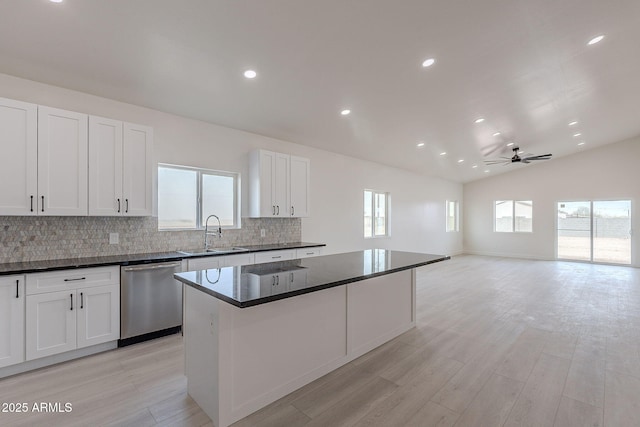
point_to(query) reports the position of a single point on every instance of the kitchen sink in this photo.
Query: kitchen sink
(233, 249)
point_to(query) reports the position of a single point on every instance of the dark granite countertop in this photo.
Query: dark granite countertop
(252, 285)
(132, 259)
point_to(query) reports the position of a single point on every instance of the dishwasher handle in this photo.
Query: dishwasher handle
(153, 266)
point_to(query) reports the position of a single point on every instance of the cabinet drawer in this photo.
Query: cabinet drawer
(273, 256)
(38, 283)
(308, 252)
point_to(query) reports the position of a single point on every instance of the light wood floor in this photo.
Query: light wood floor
(499, 342)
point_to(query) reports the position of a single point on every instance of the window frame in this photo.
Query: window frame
(456, 216)
(513, 215)
(387, 212)
(200, 225)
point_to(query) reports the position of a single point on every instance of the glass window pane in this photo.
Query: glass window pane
(177, 198)
(368, 206)
(574, 230)
(218, 198)
(504, 216)
(612, 231)
(452, 216)
(524, 216)
(380, 214)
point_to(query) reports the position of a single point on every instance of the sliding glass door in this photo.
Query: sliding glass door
(595, 231)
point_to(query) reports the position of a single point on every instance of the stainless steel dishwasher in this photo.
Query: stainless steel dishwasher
(150, 301)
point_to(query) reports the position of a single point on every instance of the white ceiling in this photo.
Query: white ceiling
(523, 65)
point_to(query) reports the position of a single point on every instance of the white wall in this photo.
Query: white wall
(337, 182)
(606, 173)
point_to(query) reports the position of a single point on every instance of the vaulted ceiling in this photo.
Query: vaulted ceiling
(524, 66)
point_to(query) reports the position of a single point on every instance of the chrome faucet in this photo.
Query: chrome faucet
(207, 232)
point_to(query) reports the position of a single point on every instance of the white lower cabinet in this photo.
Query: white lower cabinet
(11, 320)
(308, 252)
(84, 314)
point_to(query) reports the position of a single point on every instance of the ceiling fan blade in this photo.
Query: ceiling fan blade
(540, 157)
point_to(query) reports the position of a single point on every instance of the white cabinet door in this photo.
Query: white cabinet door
(138, 170)
(62, 162)
(51, 323)
(98, 315)
(281, 185)
(262, 165)
(105, 167)
(300, 171)
(19, 159)
(11, 320)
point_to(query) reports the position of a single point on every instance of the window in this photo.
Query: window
(187, 196)
(452, 216)
(376, 214)
(513, 216)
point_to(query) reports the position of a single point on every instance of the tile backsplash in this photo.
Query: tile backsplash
(47, 238)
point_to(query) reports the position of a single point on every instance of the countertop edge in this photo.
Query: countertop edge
(297, 292)
(133, 259)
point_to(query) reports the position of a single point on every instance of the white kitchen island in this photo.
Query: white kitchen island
(255, 333)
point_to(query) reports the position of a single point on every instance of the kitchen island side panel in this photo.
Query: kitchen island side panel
(256, 355)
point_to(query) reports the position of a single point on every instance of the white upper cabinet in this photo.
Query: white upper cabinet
(18, 163)
(273, 192)
(62, 162)
(120, 168)
(105, 167)
(300, 171)
(137, 170)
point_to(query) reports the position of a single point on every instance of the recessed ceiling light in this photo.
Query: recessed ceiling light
(573, 123)
(595, 40)
(474, 166)
(428, 62)
(345, 112)
(510, 144)
(250, 74)
(575, 135)
(55, 1)
(486, 171)
(461, 161)
(479, 120)
(444, 153)
(420, 144)
(497, 134)
(581, 143)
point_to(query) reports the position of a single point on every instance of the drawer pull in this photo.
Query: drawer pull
(75, 280)
(309, 253)
(276, 257)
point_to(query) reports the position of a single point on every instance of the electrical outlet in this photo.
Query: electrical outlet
(114, 238)
(262, 233)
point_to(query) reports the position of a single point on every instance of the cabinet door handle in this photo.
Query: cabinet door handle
(273, 280)
(273, 210)
(17, 288)
(277, 280)
(118, 205)
(42, 203)
(278, 212)
(71, 295)
(75, 280)
(31, 203)
(81, 300)
(126, 204)
(292, 211)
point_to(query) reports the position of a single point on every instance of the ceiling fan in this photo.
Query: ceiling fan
(528, 158)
